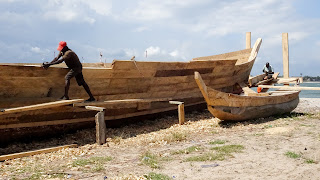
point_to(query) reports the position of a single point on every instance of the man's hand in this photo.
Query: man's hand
(46, 65)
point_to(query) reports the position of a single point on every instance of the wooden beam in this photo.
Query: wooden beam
(289, 80)
(290, 87)
(253, 80)
(40, 106)
(31, 153)
(122, 101)
(285, 53)
(176, 102)
(248, 40)
(94, 108)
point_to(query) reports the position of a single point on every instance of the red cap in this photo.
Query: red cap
(62, 44)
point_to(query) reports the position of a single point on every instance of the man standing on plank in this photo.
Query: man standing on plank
(72, 61)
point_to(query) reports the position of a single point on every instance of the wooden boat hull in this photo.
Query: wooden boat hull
(233, 107)
(252, 112)
(155, 82)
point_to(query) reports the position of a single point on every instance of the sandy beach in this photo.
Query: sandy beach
(281, 147)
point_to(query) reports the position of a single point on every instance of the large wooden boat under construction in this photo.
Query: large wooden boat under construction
(126, 88)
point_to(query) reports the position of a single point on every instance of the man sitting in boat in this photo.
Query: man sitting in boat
(72, 61)
(268, 70)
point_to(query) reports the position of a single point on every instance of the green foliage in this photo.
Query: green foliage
(150, 160)
(92, 160)
(97, 163)
(310, 78)
(227, 149)
(211, 156)
(217, 142)
(292, 155)
(178, 136)
(309, 161)
(155, 176)
(187, 150)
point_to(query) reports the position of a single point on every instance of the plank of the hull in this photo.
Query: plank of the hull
(122, 101)
(235, 54)
(218, 98)
(252, 112)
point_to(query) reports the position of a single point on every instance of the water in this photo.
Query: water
(304, 93)
(310, 94)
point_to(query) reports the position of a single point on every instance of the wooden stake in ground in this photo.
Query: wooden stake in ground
(100, 124)
(180, 111)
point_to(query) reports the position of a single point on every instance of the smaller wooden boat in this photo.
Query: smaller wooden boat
(250, 105)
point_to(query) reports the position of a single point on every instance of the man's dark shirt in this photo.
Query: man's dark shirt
(71, 59)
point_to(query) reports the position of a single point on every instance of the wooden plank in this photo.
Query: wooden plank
(246, 89)
(143, 105)
(253, 80)
(175, 102)
(285, 54)
(290, 87)
(202, 86)
(248, 40)
(122, 101)
(95, 108)
(100, 128)
(292, 80)
(40, 106)
(267, 81)
(31, 153)
(229, 55)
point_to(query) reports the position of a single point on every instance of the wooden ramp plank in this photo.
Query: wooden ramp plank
(31, 153)
(40, 106)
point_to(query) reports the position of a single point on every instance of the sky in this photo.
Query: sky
(161, 30)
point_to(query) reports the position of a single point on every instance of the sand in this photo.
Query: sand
(282, 147)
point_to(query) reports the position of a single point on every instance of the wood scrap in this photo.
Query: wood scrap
(31, 153)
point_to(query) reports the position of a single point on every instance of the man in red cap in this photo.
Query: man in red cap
(72, 61)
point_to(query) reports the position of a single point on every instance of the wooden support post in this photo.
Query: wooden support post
(181, 113)
(100, 128)
(248, 40)
(100, 124)
(285, 53)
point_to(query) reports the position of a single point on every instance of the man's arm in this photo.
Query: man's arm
(54, 61)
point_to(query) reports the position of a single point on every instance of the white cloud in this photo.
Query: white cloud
(102, 7)
(141, 29)
(36, 49)
(153, 51)
(174, 53)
